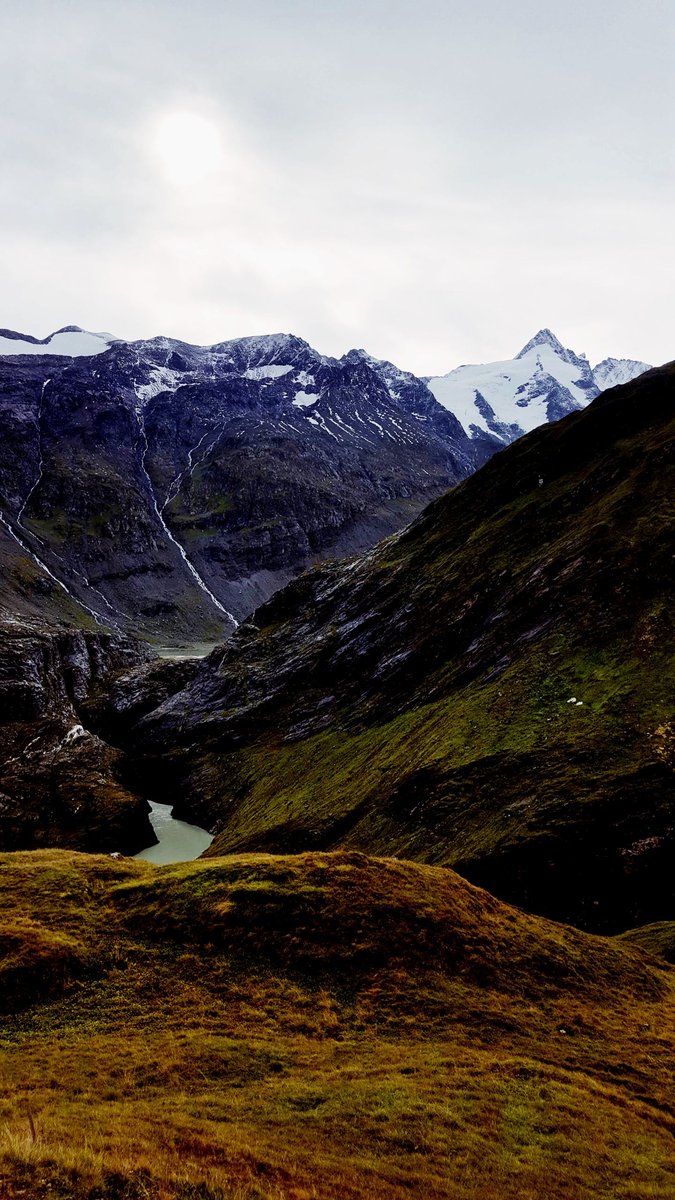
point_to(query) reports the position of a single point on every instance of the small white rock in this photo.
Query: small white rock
(74, 734)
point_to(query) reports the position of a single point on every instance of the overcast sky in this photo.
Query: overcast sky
(433, 181)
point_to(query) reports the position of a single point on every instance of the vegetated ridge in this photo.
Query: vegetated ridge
(320, 1025)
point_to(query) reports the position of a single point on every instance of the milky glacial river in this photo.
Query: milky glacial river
(178, 841)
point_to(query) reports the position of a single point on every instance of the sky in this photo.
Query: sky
(432, 181)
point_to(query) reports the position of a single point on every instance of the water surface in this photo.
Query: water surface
(178, 841)
(191, 650)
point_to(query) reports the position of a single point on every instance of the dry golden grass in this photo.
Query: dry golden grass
(321, 1027)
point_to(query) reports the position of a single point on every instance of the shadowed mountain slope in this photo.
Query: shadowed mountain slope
(491, 689)
(60, 784)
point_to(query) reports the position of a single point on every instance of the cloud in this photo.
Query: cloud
(431, 181)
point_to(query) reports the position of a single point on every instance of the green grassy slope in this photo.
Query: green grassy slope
(493, 690)
(319, 1026)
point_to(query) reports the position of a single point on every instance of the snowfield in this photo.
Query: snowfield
(70, 342)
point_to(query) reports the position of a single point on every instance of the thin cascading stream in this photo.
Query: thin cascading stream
(159, 514)
(43, 567)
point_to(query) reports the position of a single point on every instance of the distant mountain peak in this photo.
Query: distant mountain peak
(544, 382)
(614, 371)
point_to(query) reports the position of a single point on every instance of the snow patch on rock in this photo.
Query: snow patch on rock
(271, 371)
(304, 399)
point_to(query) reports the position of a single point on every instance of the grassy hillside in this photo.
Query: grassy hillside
(657, 939)
(493, 690)
(320, 1026)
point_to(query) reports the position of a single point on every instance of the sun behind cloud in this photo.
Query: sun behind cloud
(187, 146)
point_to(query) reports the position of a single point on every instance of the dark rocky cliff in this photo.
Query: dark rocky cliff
(61, 784)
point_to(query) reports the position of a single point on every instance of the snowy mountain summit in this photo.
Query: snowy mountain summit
(545, 381)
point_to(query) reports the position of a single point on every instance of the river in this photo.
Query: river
(178, 841)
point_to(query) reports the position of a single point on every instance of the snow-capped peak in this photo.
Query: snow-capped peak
(613, 371)
(543, 382)
(544, 337)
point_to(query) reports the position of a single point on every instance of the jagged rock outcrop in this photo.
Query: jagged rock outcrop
(49, 673)
(61, 784)
(115, 707)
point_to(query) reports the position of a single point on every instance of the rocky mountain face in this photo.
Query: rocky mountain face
(59, 782)
(166, 490)
(490, 689)
(544, 382)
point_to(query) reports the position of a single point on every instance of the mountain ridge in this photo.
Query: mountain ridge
(545, 381)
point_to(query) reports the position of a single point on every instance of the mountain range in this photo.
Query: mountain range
(166, 490)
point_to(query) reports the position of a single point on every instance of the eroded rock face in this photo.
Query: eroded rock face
(47, 673)
(118, 704)
(60, 784)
